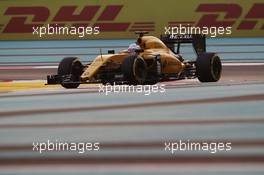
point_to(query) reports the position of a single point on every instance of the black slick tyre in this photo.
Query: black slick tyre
(71, 66)
(208, 67)
(134, 69)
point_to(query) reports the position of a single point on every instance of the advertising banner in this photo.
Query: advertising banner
(119, 19)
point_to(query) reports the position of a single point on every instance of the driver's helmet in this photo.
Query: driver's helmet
(133, 47)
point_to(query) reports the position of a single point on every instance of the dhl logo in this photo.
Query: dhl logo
(232, 16)
(66, 15)
(23, 19)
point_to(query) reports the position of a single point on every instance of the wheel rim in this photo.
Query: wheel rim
(216, 68)
(139, 70)
(77, 68)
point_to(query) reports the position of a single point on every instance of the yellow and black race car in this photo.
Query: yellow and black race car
(147, 61)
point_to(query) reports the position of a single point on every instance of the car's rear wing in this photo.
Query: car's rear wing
(198, 41)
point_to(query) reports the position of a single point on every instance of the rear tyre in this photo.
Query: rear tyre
(72, 67)
(134, 69)
(208, 67)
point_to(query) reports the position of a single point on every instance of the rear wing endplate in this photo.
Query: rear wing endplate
(198, 42)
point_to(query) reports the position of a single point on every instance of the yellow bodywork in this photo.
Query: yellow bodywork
(151, 45)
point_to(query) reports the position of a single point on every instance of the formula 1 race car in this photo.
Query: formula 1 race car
(147, 61)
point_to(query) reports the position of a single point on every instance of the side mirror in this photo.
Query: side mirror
(111, 51)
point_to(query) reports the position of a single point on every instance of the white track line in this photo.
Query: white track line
(243, 64)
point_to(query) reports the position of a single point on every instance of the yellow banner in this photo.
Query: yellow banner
(117, 19)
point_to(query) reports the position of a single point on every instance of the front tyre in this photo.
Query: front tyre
(71, 68)
(208, 67)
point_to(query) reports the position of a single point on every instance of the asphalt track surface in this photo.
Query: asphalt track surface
(132, 128)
